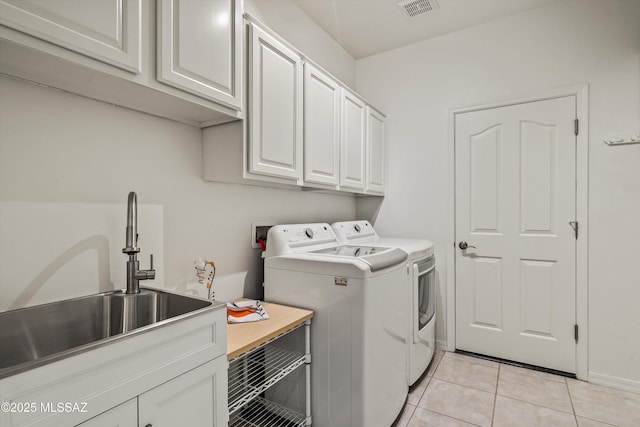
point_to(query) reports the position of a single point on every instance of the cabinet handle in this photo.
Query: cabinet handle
(149, 425)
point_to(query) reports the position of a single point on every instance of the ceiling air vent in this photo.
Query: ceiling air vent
(417, 7)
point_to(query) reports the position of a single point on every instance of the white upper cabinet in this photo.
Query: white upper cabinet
(275, 107)
(353, 137)
(107, 30)
(321, 127)
(199, 48)
(303, 128)
(186, 68)
(375, 152)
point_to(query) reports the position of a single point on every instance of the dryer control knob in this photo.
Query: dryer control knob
(357, 227)
(308, 232)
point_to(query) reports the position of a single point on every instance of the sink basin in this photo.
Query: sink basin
(34, 336)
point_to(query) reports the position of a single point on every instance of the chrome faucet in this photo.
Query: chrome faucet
(134, 275)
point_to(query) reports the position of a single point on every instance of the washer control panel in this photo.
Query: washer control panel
(289, 238)
(354, 231)
(308, 232)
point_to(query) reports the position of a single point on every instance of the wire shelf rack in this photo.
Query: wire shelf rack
(250, 376)
(261, 412)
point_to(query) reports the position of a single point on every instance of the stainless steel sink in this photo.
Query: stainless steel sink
(34, 336)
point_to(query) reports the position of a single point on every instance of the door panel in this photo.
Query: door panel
(537, 283)
(484, 166)
(199, 48)
(487, 292)
(275, 107)
(538, 178)
(352, 168)
(515, 195)
(321, 127)
(107, 30)
(375, 151)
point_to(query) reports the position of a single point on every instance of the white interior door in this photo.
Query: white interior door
(515, 196)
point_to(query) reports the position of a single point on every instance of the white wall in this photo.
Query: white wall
(66, 166)
(290, 22)
(585, 41)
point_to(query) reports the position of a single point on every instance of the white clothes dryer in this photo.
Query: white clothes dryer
(358, 332)
(422, 294)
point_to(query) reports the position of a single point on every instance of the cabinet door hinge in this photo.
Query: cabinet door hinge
(575, 332)
(576, 126)
(574, 225)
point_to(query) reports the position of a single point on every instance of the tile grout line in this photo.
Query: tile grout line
(573, 408)
(435, 367)
(544, 406)
(536, 404)
(413, 411)
(425, 389)
(453, 418)
(472, 362)
(462, 385)
(495, 396)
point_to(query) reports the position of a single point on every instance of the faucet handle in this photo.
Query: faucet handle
(151, 262)
(149, 274)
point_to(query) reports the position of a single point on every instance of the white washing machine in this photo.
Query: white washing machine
(358, 333)
(422, 294)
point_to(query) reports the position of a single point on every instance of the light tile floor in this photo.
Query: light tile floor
(460, 390)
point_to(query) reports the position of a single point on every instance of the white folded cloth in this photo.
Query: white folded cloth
(245, 311)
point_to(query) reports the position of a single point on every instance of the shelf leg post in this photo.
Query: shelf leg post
(307, 367)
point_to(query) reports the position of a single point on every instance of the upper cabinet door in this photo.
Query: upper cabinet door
(107, 30)
(199, 48)
(321, 127)
(352, 159)
(275, 107)
(375, 152)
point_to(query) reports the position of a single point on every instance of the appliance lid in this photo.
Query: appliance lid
(377, 258)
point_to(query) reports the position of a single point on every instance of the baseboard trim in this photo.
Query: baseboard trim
(441, 345)
(614, 382)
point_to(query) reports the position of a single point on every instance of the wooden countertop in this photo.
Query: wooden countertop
(242, 337)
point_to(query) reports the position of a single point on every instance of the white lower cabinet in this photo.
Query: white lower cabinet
(124, 415)
(196, 398)
(172, 375)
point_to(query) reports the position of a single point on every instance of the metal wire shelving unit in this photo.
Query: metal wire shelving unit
(255, 371)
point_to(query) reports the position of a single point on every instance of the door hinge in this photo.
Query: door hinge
(575, 332)
(576, 126)
(574, 225)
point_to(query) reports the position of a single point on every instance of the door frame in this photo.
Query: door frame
(581, 92)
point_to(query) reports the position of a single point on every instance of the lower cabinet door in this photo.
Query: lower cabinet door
(196, 398)
(124, 415)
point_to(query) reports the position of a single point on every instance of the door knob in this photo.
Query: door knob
(464, 245)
